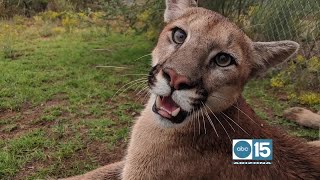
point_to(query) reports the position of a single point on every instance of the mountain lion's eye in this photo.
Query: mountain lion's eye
(224, 60)
(179, 36)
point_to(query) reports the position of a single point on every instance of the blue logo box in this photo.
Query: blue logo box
(252, 149)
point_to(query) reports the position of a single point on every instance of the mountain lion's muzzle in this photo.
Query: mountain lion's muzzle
(176, 95)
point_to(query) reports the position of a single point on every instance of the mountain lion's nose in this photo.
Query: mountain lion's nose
(176, 80)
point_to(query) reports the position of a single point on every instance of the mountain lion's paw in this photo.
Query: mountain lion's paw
(303, 117)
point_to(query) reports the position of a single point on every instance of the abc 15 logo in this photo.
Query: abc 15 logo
(252, 149)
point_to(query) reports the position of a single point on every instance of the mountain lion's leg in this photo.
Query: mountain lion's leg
(108, 172)
(303, 117)
(315, 143)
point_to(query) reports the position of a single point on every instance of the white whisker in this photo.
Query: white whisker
(139, 86)
(219, 122)
(115, 67)
(226, 119)
(198, 118)
(204, 123)
(194, 127)
(143, 89)
(136, 75)
(143, 57)
(146, 96)
(235, 123)
(132, 82)
(246, 115)
(146, 93)
(209, 119)
(229, 124)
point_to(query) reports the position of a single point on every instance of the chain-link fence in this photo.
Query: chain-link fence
(272, 20)
(269, 20)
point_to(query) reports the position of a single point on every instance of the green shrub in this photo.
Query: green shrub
(50, 16)
(46, 30)
(300, 79)
(58, 30)
(69, 22)
(310, 98)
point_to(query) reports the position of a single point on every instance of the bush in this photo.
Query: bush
(310, 98)
(69, 22)
(300, 79)
(10, 8)
(50, 16)
(46, 30)
(58, 30)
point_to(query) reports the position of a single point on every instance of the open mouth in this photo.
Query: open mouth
(168, 109)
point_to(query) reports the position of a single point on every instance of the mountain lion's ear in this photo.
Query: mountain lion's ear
(269, 54)
(175, 8)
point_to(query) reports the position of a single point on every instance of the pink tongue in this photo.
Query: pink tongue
(169, 104)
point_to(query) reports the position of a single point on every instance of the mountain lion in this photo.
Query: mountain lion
(199, 67)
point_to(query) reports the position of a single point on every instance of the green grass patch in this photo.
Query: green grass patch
(265, 103)
(17, 152)
(56, 100)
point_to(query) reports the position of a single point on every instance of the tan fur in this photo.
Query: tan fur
(181, 154)
(314, 143)
(193, 149)
(303, 117)
(109, 172)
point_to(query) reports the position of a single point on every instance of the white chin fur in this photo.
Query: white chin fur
(165, 123)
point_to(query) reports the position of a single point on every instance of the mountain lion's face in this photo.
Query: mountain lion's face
(201, 61)
(201, 58)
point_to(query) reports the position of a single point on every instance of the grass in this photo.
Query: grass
(57, 114)
(266, 104)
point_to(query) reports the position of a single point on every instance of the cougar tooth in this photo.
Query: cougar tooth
(175, 112)
(158, 102)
